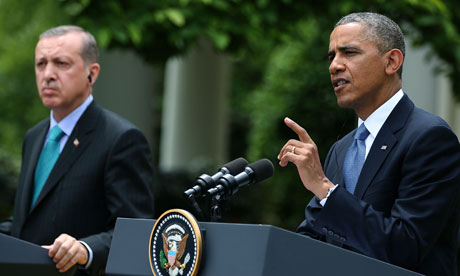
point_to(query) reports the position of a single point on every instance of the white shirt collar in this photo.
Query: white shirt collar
(376, 120)
(68, 123)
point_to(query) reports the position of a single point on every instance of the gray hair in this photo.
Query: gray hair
(89, 51)
(381, 30)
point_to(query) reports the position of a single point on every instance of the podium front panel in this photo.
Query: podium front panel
(245, 249)
(19, 258)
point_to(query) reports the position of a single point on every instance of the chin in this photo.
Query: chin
(346, 99)
(344, 103)
(50, 103)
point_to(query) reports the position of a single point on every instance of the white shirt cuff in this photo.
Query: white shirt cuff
(323, 201)
(90, 255)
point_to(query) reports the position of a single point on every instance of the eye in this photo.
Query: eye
(40, 64)
(61, 63)
(350, 52)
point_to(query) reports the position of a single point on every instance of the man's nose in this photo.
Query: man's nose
(336, 65)
(49, 72)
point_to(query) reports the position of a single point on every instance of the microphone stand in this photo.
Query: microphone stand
(215, 205)
(196, 206)
(215, 211)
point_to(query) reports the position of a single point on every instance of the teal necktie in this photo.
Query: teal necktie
(48, 157)
(354, 160)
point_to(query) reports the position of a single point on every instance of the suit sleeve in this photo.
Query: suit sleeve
(128, 179)
(427, 196)
(314, 207)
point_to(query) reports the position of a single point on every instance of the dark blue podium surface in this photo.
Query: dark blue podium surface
(245, 249)
(20, 258)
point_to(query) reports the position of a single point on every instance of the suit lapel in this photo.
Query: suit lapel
(383, 144)
(28, 187)
(78, 141)
(340, 152)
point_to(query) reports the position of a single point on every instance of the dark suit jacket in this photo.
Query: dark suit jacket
(107, 174)
(406, 206)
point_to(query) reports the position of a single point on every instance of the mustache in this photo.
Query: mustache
(50, 84)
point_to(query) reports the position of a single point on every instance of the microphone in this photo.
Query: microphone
(228, 184)
(206, 182)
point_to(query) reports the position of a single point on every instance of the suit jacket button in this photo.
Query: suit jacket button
(336, 236)
(342, 239)
(324, 229)
(330, 232)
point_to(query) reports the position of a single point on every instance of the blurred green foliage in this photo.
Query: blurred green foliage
(21, 22)
(160, 29)
(279, 53)
(295, 84)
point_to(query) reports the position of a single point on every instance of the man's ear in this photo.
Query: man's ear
(94, 69)
(395, 60)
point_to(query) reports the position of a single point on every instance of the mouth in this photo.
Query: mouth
(47, 90)
(339, 83)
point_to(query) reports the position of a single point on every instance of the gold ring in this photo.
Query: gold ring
(293, 149)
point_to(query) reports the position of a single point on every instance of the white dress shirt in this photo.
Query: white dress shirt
(373, 124)
(67, 124)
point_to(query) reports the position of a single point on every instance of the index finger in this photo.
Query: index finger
(300, 131)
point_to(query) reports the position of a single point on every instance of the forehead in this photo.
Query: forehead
(69, 45)
(351, 34)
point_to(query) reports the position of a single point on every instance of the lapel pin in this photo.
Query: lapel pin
(76, 142)
(384, 147)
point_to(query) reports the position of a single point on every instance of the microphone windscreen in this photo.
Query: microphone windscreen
(263, 169)
(236, 166)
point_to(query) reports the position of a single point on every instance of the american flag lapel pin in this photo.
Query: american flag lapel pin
(384, 147)
(76, 142)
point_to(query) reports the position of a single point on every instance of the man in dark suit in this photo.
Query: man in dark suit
(391, 189)
(102, 166)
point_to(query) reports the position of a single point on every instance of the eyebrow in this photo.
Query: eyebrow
(60, 57)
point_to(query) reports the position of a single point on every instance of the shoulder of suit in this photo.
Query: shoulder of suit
(421, 121)
(38, 127)
(116, 122)
(425, 117)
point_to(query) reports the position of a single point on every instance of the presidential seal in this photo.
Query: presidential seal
(175, 245)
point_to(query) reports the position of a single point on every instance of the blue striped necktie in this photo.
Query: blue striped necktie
(354, 160)
(48, 158)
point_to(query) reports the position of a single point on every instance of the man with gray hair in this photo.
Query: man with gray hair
(83, 166)
(390, 189)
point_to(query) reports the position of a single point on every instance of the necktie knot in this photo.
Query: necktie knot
(56, 133)
(362, 132)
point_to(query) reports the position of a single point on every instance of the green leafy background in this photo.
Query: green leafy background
(278, 50)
